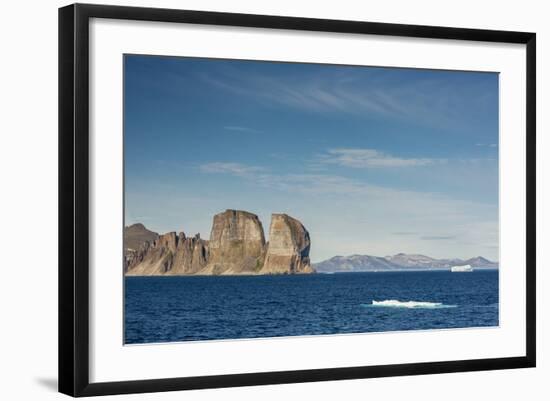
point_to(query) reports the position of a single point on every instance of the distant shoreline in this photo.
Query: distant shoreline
(406, 270)
(315, 274)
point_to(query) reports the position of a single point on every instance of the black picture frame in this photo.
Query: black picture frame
(74, 198)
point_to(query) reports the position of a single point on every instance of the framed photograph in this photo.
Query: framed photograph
(251, 199)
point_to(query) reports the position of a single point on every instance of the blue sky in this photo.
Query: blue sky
(371, 160)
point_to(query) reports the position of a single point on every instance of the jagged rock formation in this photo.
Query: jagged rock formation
(288, 248)
(191, 255)
(170, 254)
(133, 258)
(135, 235)
(237, 246)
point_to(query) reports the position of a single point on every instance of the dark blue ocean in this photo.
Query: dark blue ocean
(164, 309)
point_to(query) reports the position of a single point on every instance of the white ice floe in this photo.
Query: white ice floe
(394, 303)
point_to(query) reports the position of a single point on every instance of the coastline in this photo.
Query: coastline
(248, 274)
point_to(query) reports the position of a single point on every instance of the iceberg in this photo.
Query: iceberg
(462, 269)
(394, 303)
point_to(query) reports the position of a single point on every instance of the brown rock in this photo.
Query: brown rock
(158, 258)
(288, 249)
(236, 244)
(132, 258)
(191, 255)
(135, 236)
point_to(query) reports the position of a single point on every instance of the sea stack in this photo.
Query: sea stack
(288, 248)
(236, 243)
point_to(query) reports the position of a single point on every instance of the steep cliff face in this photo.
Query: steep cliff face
(288, 247)
(158, 257)
(236, 243)
(191, 255)
(170, 254)
(133, 258)
(237, 246)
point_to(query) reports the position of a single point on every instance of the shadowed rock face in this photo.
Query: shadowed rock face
(170, 254)
(133, 258)
(236, 243)
(237, 246)
(158, 257)
(190, 256)
(288, 248)
(135, 235)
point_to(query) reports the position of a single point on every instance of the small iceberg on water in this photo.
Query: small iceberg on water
(394, 303)
(462, 269)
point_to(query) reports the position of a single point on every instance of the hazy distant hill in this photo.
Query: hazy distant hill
(481, 262)
(400, 261)
(135, 235)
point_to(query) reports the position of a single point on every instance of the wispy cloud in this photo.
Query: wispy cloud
(311, 183)
(404, 233)
(302, 183)
(438, 237)
(313, 94)
(364, 158)
(239, 128)
(237, 169)
(434, 101)
(489, 145)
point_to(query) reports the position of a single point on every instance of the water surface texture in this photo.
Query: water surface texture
(168, 309)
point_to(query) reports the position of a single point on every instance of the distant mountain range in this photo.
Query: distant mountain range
(401, 261)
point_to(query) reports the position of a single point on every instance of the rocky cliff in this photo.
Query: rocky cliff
(288, 248)
(237, 246)
(135, 235)
(170, 254)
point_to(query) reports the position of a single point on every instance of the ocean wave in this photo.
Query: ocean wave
(394, 303)
(486, 306)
